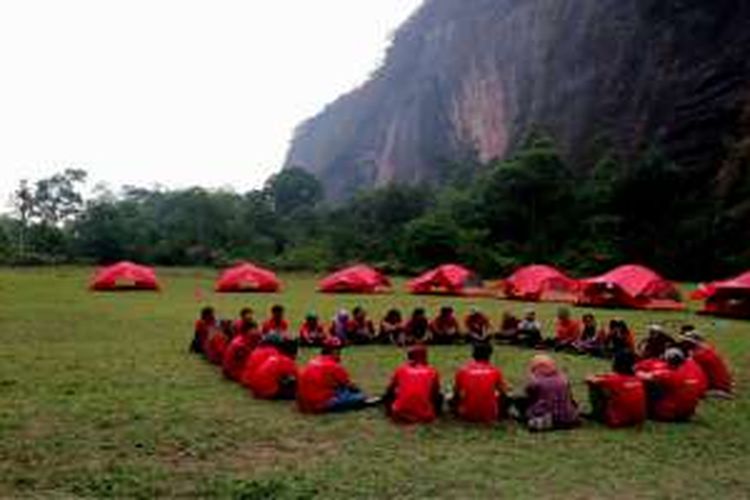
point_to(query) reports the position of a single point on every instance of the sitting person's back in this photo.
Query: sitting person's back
(218, 340)
(479, 388)
(413, 395)
(618, 399)
(276, 377)
(268, 347)
(716, 369)
(237, 352)
(672, 394)
(549, 399)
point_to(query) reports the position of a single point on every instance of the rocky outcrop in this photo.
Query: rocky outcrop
(472, 78)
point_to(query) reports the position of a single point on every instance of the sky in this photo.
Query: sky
(175, 92)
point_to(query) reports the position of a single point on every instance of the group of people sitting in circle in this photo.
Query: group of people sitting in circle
(663, 377)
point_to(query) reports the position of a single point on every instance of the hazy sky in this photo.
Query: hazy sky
(177, 92)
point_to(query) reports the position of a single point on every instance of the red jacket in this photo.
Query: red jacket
(254, 360)
(694, 370)
(678, 395)
(215, 347)
(318, 381)
(717, 372)
(415, 387)
(202, 331)
(270, 325)
(625, 399)
(650, 365)
(265, 379)
(308, 334)
(236, 354)
(567, 331)
(477, 322)
(478, 386)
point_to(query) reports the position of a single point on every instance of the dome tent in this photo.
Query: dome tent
(540, 283)
(246, 277)
(124, 276)
(630, 286)
(355, 279)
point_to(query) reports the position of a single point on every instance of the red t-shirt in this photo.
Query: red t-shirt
(271, 325)
(650, 365)
(215, 347)
(441, 324)
(202, 330)
(719, 376)
(567, 331)
(254, 360)
(318, 381)
(265, 379)
(679, 395)
(477, 322)
(308, 333)
(693, 370)
(478, 385)
(236, 354)
(626, 399)
(415, 387)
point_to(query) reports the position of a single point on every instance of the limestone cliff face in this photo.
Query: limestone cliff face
(467, 78)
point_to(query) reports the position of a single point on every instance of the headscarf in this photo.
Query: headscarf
(341, 324)
(542, 365)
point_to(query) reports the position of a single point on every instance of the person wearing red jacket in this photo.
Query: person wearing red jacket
(276, 377)
(276, 323)
(477, 325)
(716, 369)
(203, 326)
(268, 347)
(312, 333)
(673, 395)
(567, 329)
(246, 339)
(217, 342)
(618, 399)
(324, 385)
(479, 389)
(413, 396)
(444, 327)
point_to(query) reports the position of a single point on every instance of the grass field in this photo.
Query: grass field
(98, 398)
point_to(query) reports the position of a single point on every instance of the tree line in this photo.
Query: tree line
(531, 207)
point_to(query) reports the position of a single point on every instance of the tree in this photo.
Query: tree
(57, 199)
(293, 189)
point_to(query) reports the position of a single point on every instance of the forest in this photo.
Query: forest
(531, 207)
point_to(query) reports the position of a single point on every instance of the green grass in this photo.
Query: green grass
(98, 398)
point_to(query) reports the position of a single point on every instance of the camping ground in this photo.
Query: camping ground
(98, 397)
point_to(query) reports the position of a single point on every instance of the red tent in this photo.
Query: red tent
(729, 298)
(539, 282)
(630, 286)
(247, 277)
(124, 276)
(449, 279)
(355, 279)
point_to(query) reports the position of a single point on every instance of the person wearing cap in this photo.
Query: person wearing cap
(268, 346)
(324, 385)
(567, 329)
(413, 395)
(718, 375)
(477, 325)
(673, 395)
(246, 339)
(547, 402)
(444, 327)
(529, 331)
(618, 399)
(657, 341)
(311, 333)
(276, 377)
(392, 328)
(619, 337)
(276, 323)
(203, 326)
(362, 330)
(479, 388)
(340, 327)
(418, 327)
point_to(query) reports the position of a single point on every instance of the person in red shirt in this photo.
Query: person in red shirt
(218, 339)
(246, 339)
(418, 327)
(480, 391)
(324, 385)
(392, 328)
(618, 399)
(268, 347)
(673, 394)
(361, 329)
(717, 372)
(312, 333)
(413, 396)
(508, 331)
(203, 326)
(567, 329)
(477, 325)
(444, 327)
(276, 323)
(276, 377)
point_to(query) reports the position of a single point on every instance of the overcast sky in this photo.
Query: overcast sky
(176, 92)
